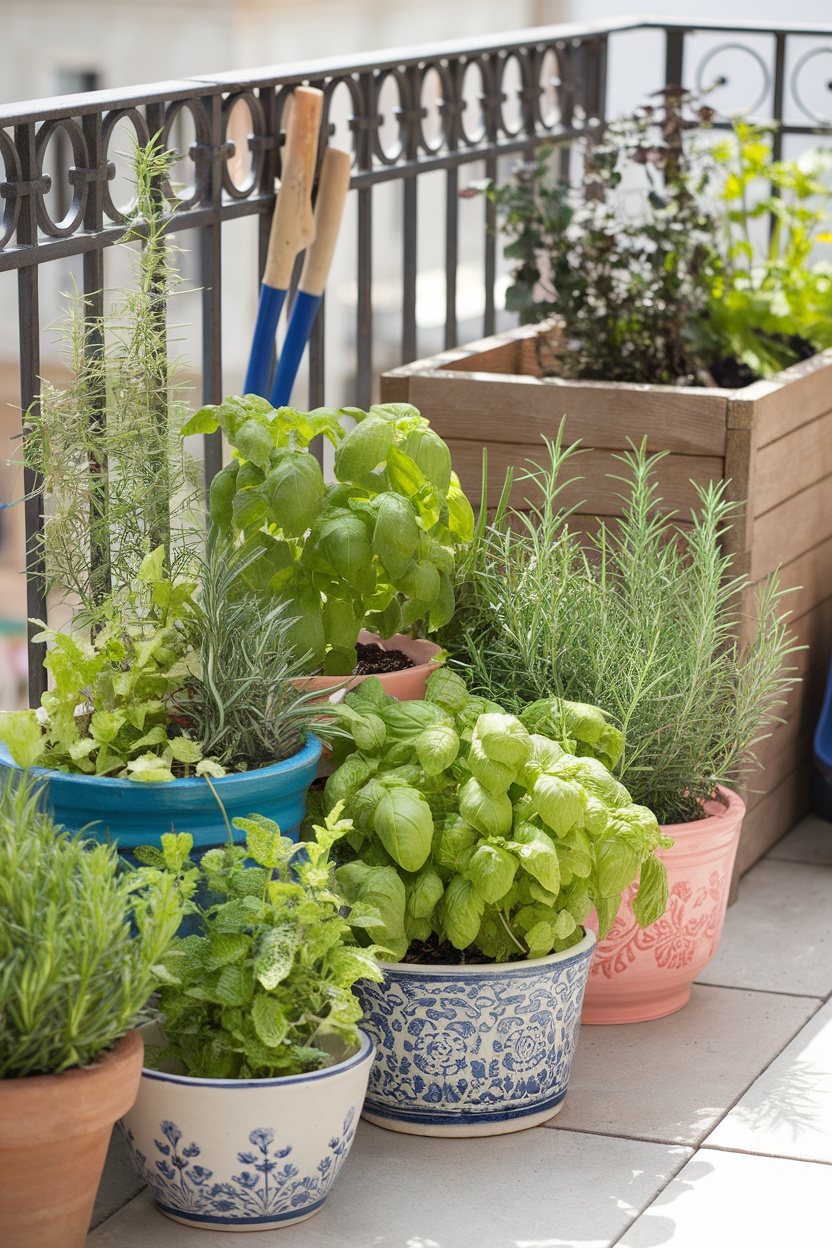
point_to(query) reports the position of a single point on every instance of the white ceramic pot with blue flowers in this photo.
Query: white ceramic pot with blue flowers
(476, 1049)
(246, 1155)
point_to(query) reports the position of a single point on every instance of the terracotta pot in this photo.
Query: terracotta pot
(643, 973)
(54, 1133)
(407, 686)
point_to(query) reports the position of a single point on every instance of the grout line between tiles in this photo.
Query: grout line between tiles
(653, 1198)
(751, 1152)
(621, 1135)
(767, 992)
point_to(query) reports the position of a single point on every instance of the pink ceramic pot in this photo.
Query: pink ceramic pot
(407, 686)
(643, 973)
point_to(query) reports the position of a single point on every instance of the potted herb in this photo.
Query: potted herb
(248, 1105)
(646, 624)
(172, 666)
(483, 848)
(692, 260)
(80, 948)
(360, 560)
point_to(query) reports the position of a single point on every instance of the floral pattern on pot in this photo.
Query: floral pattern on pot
(245, 1154)
(672, 940)
(644, 973)
(473, 1050)
(269, 1188)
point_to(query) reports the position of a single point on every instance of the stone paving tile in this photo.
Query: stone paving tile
(535, 1189)
(787, 1112)
(672, 1079)
(120, 1181)
(809, 841)
(778, 936)
(733, 1200)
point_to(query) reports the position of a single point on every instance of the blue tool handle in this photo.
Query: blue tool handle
(259, 371)
(304, 311)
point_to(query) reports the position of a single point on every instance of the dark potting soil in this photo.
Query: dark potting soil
(432, 952)
(733, 374)
(373, 660)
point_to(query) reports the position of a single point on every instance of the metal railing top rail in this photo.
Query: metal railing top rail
(295, 72)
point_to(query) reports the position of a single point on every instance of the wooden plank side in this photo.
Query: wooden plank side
(814, 631)
(773, 817)
(792, 463)
(775, 408)
(596, 492)
(809, 578)
(796, 526)
(484, 408)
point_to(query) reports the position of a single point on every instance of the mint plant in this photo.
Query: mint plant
(376, 548)
(484, 829)
(770, 305)
(265, 985)
(81, 940)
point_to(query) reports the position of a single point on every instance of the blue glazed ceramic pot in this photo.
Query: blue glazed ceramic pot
(245, 1154)
(473, 1050)
(134, 814)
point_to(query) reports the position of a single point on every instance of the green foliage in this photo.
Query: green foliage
(107, 712)
(107, 447)
(376, 548)
(645, 625)
(628, 287)
(239, 702)
(769, 302)
(658, 271)
(268, 977)
(81, 940)
(492, 835)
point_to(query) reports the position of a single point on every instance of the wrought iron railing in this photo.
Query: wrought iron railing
(496, 96)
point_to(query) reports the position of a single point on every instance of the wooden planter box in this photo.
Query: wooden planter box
(772, 441)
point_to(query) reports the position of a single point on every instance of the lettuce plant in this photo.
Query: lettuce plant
(488, 830)
(376, 548)
(268, 977)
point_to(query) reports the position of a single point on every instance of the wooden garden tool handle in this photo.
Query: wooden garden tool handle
(333, 186)
(293, 226)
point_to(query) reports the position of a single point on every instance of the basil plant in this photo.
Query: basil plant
(374, 549)
(474, 827)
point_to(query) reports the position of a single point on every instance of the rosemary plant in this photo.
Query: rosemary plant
(242, 705)
(107, 447)
(80, 940)
(645, 623)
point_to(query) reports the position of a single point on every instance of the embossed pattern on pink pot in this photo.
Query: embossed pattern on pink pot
(642, 973)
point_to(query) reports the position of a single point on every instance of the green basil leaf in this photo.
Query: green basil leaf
(462, 908)
(650, 901)
(254, 441)
(559, 803)
(364, 448)
(404, 823)
(491, 814)
(492, 869)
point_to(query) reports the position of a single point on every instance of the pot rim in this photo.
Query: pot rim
(365, 1052)
(308, 754)
(121, 1053)
(733, 807)
(450, 971)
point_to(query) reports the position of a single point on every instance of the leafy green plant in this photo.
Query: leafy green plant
(117, 481)
(628, 287)
(107, 712)
(266, 982)
(80, 940)
(770, 305)
(376, 548)
(474, 827)
(646, 623)
(240, 703)
(662, 276)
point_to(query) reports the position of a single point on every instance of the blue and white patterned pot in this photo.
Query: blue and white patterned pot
(473, 1050)
(246, 1155)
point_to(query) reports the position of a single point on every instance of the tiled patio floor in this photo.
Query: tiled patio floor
(708, 1129)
